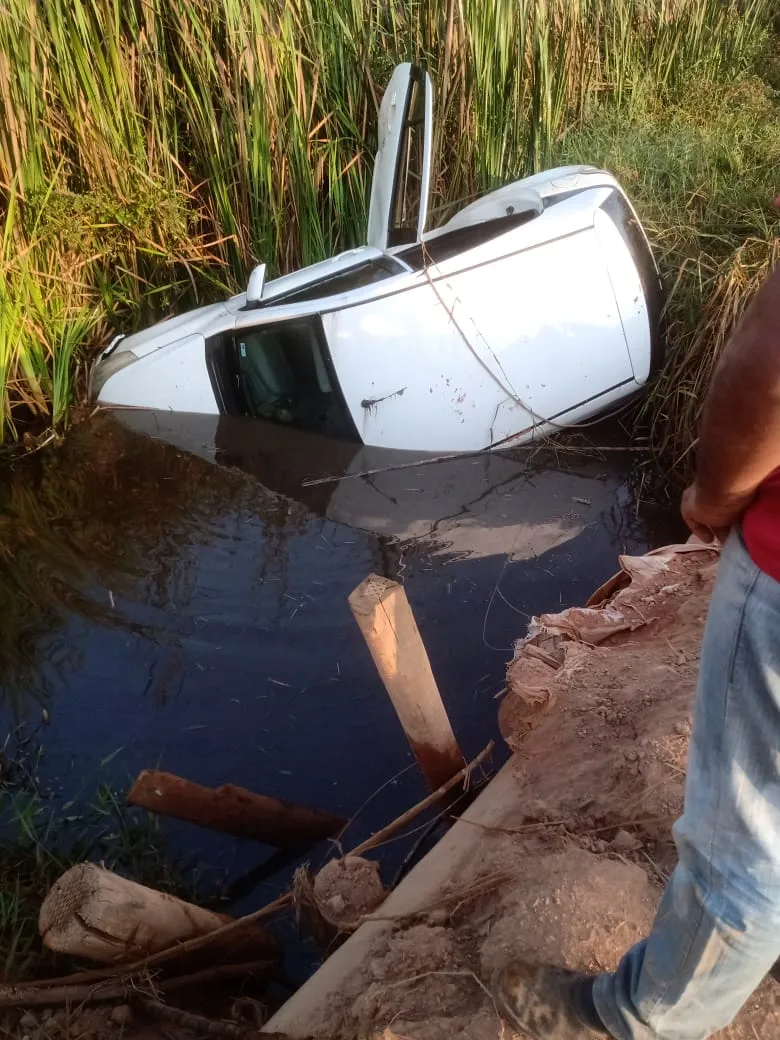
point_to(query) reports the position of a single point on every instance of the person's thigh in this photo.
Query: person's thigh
(717, 931)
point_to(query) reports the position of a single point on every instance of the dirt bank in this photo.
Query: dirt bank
(564, 860)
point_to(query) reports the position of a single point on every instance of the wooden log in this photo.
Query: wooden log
(91, 912)
(233, 810)
(382, 611)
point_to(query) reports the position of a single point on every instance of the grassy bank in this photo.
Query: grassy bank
(150, 153)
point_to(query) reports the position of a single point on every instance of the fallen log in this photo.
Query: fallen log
(233, 810)
(14, 994)
(91, 912)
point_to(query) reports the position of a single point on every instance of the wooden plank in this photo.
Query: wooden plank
(385, 617)
(233, 810)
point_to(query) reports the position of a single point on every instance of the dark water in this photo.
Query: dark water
(190, 613)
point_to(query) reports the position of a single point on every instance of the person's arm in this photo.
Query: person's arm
(739, 434)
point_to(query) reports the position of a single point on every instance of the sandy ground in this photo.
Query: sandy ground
(598, 713)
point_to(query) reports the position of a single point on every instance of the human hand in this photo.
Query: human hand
(709, 517)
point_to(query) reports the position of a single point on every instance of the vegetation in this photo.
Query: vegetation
(37, 845)
(702, 171)
(150, 153)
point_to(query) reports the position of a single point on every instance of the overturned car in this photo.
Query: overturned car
(534, 307)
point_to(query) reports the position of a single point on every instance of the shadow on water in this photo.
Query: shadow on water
(180, 600)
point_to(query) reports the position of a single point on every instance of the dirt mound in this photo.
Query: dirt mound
(574, 908)
(427, 981)
(598, 715)
(600, 698)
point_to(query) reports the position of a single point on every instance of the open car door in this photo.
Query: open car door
(402, 168)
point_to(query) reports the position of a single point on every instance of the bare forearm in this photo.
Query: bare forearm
(739, 437)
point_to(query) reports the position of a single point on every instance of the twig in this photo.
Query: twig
(371, 797)
(463, 974)
(525, 828)
(408, 859)
(411, 814)
(87, 993)
(336, 477)
(622, 824)
(664, 877)
(197, 1023)
(214, 974)
(456, 897)
(28, 996)
(200, 1025)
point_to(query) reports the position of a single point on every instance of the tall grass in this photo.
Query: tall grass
(149, 147)
(702, 171)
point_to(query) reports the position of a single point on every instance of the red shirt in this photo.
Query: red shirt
(761, 527)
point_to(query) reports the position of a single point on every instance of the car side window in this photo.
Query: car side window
(282, 371)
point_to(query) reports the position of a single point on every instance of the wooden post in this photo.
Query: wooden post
(382, 611)
(233, 810)
(91, 912)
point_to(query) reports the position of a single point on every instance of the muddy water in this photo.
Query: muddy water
(187, 609)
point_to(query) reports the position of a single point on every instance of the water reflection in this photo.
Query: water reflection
(106, 521)
(530, 500)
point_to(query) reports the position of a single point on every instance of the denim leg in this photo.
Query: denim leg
(717, 930)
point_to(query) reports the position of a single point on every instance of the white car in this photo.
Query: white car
(533, 308)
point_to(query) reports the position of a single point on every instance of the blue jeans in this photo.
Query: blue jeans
(717, 930)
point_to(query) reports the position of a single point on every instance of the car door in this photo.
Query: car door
(402, 166)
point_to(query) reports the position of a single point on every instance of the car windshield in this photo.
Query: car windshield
(284, 373)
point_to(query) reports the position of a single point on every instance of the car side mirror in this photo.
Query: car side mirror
(254, 287)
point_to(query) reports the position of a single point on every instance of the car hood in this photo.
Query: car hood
(215, 317)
